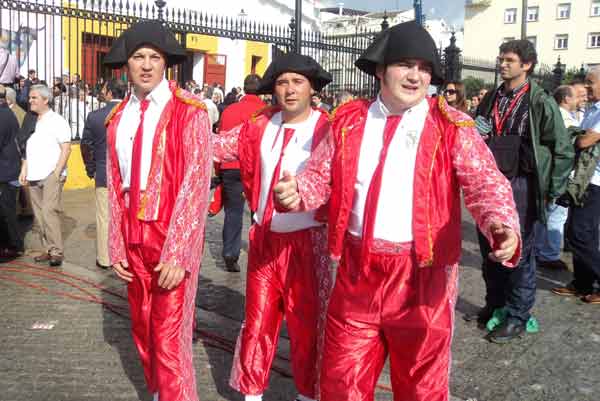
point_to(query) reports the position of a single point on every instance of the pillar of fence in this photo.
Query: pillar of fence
(452, 70)
(292, 40)
(580, 76)
(558, 73)
(160, 4)
(385, 24)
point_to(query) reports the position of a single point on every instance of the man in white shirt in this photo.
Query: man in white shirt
(567, 99)
(45, 170)
(548, 237)
(211, 107)
(158, 173)
(582, 100)
(287, 271)
(395, 225)
(583, 228)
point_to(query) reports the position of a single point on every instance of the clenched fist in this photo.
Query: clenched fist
(286, 192)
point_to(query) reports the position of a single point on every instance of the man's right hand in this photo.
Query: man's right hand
(121, 271)
(286, 192)
(23, 177)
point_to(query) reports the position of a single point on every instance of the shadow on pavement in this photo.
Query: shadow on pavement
(117, 332)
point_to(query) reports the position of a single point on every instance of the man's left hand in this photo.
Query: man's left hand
(506, 242)
(170, 276)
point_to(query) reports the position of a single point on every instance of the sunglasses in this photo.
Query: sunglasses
(450, 92)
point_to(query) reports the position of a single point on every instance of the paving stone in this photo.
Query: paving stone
(89, 354)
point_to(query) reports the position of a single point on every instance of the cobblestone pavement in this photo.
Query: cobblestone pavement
(89, 355)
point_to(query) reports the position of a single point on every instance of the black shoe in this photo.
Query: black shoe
(552, 264)
(9, 254)
(231, 265)
(56, 260)
(508, 331)
(482, 315)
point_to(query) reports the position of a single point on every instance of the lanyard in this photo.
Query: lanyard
(500, 122)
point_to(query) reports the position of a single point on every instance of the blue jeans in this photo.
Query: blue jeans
(514, 288)
(548, 238)
(233, 205)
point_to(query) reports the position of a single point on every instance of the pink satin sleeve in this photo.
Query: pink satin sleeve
(184, 244)
(225, 145)
(487, 193)
(116, 242)
(314, 183)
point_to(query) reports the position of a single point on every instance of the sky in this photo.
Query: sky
(453, 11)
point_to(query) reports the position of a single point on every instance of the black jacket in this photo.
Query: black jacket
(27, 129)
(93, 144)
(10, 162)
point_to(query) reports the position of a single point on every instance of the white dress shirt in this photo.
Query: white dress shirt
(591, 121)
(130, 119)
(569, 118)
(295, 157)
(394, 210)
(43, 146)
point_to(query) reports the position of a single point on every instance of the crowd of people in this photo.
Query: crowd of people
(367, 197)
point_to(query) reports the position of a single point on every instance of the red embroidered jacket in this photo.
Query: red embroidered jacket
(178, 184)
(243, 143)
(451, 156)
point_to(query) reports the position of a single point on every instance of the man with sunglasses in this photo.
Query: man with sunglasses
(524, 130)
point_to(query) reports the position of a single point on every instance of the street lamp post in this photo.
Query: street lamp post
(524, 20)
(418, 6)
(298, 28)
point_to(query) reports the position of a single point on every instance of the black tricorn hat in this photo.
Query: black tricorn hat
(151, 33)
(298, 63)
(408, 40)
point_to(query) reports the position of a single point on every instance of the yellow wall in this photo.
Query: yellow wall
(76, 176)
(259, 49)
(205, 43)
(73, 28)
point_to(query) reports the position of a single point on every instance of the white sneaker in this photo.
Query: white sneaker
(253, 397)
(155, 397)
(301, 397)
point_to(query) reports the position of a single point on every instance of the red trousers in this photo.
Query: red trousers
(390, 307)
(161, 320)
(286, 273)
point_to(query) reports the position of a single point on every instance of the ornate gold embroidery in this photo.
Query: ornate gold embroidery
(141, 213)
(444, 109)
(187, 98)
(344, 131)
(113, 112)
(429, 262)
(259, 112)
(334, 111)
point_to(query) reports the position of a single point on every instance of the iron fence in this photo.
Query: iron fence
(66, 42)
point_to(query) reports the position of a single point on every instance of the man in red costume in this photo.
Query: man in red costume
(392, 171)
(159, 165)
(287, 271)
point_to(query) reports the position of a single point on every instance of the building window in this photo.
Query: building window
(510, 16)
(561, 42)
(533, 40)
(563, 11)
(533, 14)
(594, 40)
(595, 11)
